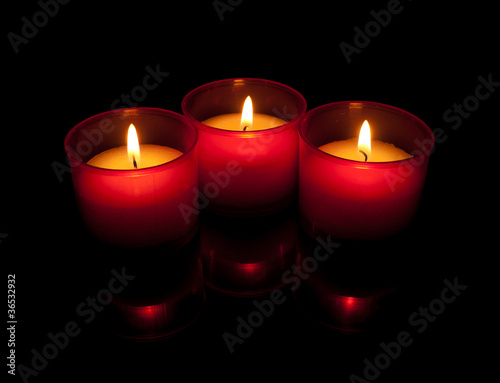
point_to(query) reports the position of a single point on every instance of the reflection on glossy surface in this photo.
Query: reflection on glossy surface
(161, 300)
(247, 257)
(347, 310)
(347, 290)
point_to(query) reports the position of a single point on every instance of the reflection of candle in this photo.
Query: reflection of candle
(247, 167)
(354, 199)
(347, 290)
(355, 149)
(333, 305)
(165, 297)
(247, 256)
(121, 159)
(138, 206)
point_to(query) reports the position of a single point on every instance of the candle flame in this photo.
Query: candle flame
(247, 115)
(133, 149)
(364, 142)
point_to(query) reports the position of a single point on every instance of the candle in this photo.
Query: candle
(146, 156)
(358, 199)
(134, 198)
(151, 155)
(231, 120)
(376, 150)
(244, 121)
(247, 164)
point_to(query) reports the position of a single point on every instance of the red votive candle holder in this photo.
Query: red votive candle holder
(353, 199)
(143, 206)
(252, 172)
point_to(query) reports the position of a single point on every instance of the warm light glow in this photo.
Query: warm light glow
(134, 153)
(365, 141)
(349, 302)
(247, 115)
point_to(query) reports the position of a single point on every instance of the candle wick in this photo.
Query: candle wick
(366, 157)
(245, 128)
(134, 161)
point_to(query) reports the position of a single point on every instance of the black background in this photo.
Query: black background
(427, 59)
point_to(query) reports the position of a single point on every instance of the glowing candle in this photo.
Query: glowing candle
(364, 149)
(361, 188)
(245, 121)
(134, 156)
(247, 158)
(131, 196)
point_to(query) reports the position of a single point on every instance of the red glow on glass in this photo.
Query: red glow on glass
(337, 305)
(242, 258)
(250, 268)
(148, 318)
(352, 308)
(148, 312)
(161, 309)
(349, 302)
